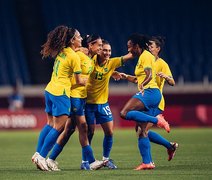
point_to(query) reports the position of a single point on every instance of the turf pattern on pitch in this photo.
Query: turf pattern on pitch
(193, 159)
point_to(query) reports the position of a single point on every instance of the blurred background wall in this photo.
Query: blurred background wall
(185, 24)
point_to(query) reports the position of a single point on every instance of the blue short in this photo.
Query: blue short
(151, 98)
(98, 113)
(78, 106)
(153, 112)
(57, 105)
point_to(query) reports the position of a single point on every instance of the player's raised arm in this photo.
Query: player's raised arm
(119, 75)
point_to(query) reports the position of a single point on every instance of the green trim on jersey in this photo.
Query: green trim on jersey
(77, 72)
(147, 68)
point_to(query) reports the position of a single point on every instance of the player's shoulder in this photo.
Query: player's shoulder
(162, 61)
(69, 53)
(72, 55)
(80, 53)
(82, 56)
(146, 55)
(114, 59)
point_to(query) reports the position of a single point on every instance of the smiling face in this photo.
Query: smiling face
(95, 47)
(106, 51)
(154, 49)
(77, 40)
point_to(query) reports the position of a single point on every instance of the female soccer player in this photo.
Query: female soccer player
(60, 45)
(147, 99)
(78, 95)
(97, 110)
(164, 74)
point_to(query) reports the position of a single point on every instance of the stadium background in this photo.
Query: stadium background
(185, 24)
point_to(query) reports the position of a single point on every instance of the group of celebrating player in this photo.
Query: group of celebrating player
(77, 95)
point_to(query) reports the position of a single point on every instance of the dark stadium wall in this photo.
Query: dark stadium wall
(33, 33)
(186, 26)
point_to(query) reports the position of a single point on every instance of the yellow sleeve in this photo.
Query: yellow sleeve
(146, 61)
(166, 70)
(116, 62)
(75, 63)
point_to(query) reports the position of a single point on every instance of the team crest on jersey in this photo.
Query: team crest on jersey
(75, 109)
(106, 69)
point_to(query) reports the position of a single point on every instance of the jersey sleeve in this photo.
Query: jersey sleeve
(116, 62)
(76, 64)
(146, 61)
(166, 70)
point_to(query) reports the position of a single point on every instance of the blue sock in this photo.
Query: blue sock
(150, 155)
(107, 145)
(141, 117)
(88, 154)
(83, 155)
(42, 137)
(49, 142)
(144, 148)
(158, 139)
(57, 149)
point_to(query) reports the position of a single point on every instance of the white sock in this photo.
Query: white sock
(105, 158)
(84, 161)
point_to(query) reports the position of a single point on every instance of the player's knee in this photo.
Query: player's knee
(109, 133)
(91, 130)
(84, 128)
(72, 130)
(141, 132)
(69, 130)
(123, 114)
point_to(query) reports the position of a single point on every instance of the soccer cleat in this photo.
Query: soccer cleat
(153, 164)
(162, 123)
(53, 165)
(85, 166)
(34, 156)
(110, 164)
(171, 152)
(143, 166)
(97, 164)
(33, 160)
(41, 163)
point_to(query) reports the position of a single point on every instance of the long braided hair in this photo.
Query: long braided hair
(57, 39)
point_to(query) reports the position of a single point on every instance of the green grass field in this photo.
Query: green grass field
(193, 159)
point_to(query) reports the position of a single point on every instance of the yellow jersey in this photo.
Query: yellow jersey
(146, 60)
(98, 83)
(79, 91)
(66, 64)
(162, 66)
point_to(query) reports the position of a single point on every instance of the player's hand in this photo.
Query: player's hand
(141, 89)
(162, 75)
(116, 76)
(123, 75)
